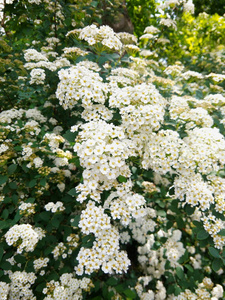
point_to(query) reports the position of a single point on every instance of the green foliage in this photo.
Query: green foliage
(142, 14)
(209, 6)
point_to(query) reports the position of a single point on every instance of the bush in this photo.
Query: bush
(112, 155)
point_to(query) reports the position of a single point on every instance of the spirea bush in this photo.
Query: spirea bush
(112, 177)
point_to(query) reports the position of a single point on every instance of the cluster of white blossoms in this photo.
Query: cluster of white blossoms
(102, 149)
(127, 38)
(4, 290)
(158, 294)
(37, 62)
(68, 287)
(204, 150)
(213, 226)
(23, 237)
(103, 37)
(125, 205)
(20, 286)
(144, 226)
(194, 190)
(94, 220)
(174, 70)
(34, 55)
(206, 290)
(105, 252)
(3, 148)
(80, 84)
(73, 52)
(140, 94)
(59, 250)
(162, 151)
(153, 261)
(217, 77)
(13, 115)
(53, 140)
(174, 248)
(168, 22)
(27, 208)
(37, 76)
(142, 108)
(189, 74)
(121, 77)
(54, 207)
(40, 263)
(190, 117)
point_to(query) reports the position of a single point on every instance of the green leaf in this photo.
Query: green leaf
(222, 232)
(189, 209)
(216, 264)
(180, 222)
(17, 217)
(5, 214)
(12, 168)
(94, 3)
(202, 235)
(40, 287)
(32, 183)
(177, 290)
(75, 221)
(121, 179)
(189, 268)
(70, 136)
(13, 185)
(119, 288)
(197, 224)
(4, 224)
(88, 241)
(214, 252)
(43, 182)
(180, 272)
(161, 213)
(72, 192)
(129, 293)
(3, 179)
(112, 281)
(6, 265)
(20, 259)
(45, 215)
(56, 220)
(18, 148)
(1, 253)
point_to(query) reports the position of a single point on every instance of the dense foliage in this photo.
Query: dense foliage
(112, 178)
(209, 6)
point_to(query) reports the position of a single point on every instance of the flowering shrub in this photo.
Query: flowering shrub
(112, 173)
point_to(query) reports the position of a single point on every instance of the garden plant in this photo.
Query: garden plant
(112, 151)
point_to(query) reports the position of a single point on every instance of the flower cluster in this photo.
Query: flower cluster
(20, 286)
(103, 38)
(162, 151)
(37, 76)
(54, 207)
(23, 237)
(67, 287)
(103, 150)
(80, 84)
(206, 290)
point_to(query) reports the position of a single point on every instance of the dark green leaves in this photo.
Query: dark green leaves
(202, 235)
(3, 179)
(12, 168)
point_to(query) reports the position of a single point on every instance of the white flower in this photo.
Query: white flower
(25, 235)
